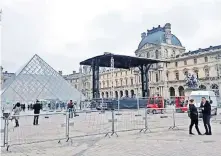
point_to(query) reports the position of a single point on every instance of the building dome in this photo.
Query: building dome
(158, 36)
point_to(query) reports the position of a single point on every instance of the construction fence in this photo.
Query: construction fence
(65, 126)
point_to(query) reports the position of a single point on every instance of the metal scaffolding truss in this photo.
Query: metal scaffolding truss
(38, 80)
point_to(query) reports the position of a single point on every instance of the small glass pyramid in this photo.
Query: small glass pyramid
(38, 80)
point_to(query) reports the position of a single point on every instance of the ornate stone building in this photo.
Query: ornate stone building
(5, 75)
(165, 79)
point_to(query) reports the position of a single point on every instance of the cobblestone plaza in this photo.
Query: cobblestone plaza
(160, 141)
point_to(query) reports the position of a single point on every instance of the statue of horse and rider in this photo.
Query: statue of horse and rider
(192, 81)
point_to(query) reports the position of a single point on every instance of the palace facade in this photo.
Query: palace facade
(165, 79)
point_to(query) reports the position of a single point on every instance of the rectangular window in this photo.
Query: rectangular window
(195, 61)
(132, 82)
(206, 59)
(197, 73)
(150, 76)
(185, 62)
(176, 64)
(103, 84)
(177, 76)
(157, 79)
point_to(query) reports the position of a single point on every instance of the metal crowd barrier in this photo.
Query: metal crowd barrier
(61, 126)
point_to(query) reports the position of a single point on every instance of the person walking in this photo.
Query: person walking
(70, 109)
(206, 111)
(193, 114)
(37, 108)
(17, 109)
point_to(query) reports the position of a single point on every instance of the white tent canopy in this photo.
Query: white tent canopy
(38, 80)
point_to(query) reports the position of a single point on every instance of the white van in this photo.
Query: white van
(209, 95)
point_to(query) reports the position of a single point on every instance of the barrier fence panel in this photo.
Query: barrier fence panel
(51, 127)
(166, 118)
(217, 118)
(91, 122)
(85, 105)
(106, 117)
(130, 120)
(3, 131)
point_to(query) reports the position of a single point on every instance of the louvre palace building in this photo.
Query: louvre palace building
(165, 79)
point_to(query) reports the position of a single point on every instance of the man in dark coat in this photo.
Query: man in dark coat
(37, 108)
(206, 111)
(193, 114)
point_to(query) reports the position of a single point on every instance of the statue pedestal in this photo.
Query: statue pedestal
(189, 90)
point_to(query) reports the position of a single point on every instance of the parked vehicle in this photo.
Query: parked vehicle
(181, 104)
(155, 105)
(209, 95)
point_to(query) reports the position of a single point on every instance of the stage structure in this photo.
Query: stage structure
(119, 61)
(38, 80)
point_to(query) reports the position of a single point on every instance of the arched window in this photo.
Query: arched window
(172, 91)
(121, 93)
(181, 91)
(126, 93)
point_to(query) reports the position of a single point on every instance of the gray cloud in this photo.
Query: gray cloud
(27, 30)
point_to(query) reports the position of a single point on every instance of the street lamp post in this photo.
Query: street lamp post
(112, 76)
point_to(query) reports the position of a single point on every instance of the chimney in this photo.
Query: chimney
(143, 35)
(107, 53)
(60, 72)
(168, 35)
(74, 72)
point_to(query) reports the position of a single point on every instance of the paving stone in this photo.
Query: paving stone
(160, 142)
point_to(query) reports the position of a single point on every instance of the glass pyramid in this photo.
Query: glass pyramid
(38, 80)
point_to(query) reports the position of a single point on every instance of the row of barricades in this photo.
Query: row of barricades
(59, 126)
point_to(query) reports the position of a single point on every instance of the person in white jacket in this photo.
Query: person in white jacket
(17, 109)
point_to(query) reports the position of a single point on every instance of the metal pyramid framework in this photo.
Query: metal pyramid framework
(38, 80)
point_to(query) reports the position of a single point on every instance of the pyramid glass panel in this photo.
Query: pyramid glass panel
(37, 80)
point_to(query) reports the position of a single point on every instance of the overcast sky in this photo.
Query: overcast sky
(65, 32)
